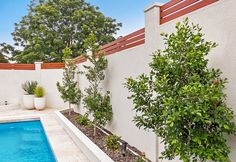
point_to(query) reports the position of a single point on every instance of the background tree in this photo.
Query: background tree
(182, 100)
(97, 104)
(53, 25)
(3, 58)
(69, 88)
(4, 52)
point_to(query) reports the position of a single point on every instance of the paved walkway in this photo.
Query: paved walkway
(63, 146)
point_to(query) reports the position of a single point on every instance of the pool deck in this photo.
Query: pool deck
(65, 150)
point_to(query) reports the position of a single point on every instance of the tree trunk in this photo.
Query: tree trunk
(94, 130)
(69, 109)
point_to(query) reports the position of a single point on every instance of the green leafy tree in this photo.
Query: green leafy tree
(95, 102)
(182, 99)
(69, 88)
(52, 25)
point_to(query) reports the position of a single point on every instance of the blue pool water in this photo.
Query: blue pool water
(24, 142)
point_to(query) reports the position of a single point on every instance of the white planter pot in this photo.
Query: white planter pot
(28, 101)
(39, 103)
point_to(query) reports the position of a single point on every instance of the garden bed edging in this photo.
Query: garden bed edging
(91, 150)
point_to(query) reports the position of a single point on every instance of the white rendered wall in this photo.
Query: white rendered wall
(129, 63)
(49, 78)
(122, 65)
(11, 81)
(10, 84)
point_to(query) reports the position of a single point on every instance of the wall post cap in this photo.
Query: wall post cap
(38, 62)
(156, 4)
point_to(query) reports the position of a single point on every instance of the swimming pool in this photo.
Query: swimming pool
(24, 142)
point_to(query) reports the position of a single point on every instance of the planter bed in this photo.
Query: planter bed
(99, 140)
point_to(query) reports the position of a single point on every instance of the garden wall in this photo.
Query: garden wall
(122, 65)
(11, 80)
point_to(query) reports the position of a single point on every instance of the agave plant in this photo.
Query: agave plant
(29, 87)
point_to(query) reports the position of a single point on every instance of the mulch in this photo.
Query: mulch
(99, 140)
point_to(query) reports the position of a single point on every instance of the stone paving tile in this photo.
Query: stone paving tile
(72, 159)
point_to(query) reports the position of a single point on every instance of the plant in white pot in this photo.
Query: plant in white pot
(28, 97)
(39, 99)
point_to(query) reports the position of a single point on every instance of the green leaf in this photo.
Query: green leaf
(226, 127)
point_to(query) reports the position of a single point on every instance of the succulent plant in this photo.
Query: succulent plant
(39, 91)
(29, 87)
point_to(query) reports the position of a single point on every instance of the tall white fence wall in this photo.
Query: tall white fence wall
(122, 65)
(11, 81)
(10, 84)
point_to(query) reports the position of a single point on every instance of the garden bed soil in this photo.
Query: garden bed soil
(99, 140)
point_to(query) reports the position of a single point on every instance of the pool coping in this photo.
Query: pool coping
(20, 119)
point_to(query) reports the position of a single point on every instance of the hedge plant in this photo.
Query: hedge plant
(83, 120)
(112, 142)
(182, 99)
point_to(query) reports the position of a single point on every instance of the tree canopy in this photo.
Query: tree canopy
(53, 25)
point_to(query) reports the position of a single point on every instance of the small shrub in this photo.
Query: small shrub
(83, 120)
(39, 91)
(140, 159)
(112, 142)
(29, 87)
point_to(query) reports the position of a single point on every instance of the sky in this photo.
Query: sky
(128, 12)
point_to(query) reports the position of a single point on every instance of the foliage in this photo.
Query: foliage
(52, 25)
(83, 120)
(182, 99)
(112, 142)
(99, 106)
(39, 91)
(140, 159)
(69, 89)
(4, 52)
(95, 102)
(3, 58)
(29, 87)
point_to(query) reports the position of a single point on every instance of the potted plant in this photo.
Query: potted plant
(39, 99)
(28, 97)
